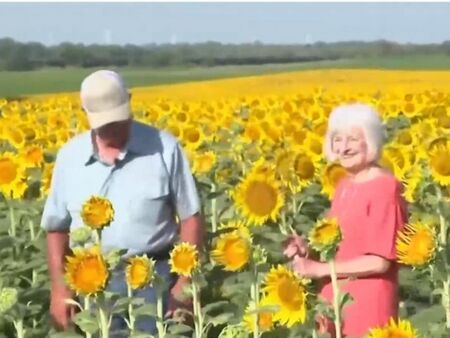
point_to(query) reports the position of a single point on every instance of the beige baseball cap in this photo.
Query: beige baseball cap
(105, 98)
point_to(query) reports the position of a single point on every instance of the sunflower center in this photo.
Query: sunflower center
(421, 244)
(236, 252)
(441, 163)
(8, 171)
(284, 164)
(405, 138)
(409, 108)
(90, 275)
(252, 133)
(183, 261)
(193, 135)
(16, 136)
(35, 155)
(304, 168)
(316, 147)
(289, 294)
(265, 320)
(261, 198)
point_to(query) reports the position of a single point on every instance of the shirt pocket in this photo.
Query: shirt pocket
(149, 204)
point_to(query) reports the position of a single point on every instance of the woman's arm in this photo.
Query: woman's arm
(361, 266)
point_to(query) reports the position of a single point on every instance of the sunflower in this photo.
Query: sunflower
(12, 176)
(412, 182)
(392, 163)
(416, 244)
(139, 272)
(203, 162)
(265, 318)
(439, 163)
(331, 176)
(313, 143)
(325, 235)
(97, 212)
(400, 329)
(284, 160)
(184, 259)
(406, 138)
(15, 137)
(86, 271)
(46, 178)
(259, 198)
(238, 226)
(193, 136)
(33, 156)
(304, 168)
(286, 290)
(252, 132)
(232, 250)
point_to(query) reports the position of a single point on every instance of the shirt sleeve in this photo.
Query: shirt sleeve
(183, 188)
(55, 216)
(386, 215)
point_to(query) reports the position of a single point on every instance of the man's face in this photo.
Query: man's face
(114, 134)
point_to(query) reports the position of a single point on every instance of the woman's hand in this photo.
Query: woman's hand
(296, 246)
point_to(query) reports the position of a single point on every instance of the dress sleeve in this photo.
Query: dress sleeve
(386, 215)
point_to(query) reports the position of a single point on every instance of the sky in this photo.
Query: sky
(142, 23)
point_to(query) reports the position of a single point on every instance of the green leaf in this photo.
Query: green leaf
(87, 322)
(146, 310)
(213, 306)
(223, 318)
(179, 329)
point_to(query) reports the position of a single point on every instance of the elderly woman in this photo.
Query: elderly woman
(370, 210)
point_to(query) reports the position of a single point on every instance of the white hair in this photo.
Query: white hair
(360, 116)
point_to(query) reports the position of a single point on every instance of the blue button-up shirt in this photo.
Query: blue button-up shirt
(148, 185)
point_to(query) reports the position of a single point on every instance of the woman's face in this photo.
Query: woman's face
(350, 147)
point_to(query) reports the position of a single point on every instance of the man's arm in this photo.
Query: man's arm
(57, 249)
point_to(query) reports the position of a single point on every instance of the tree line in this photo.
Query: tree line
(16, 55)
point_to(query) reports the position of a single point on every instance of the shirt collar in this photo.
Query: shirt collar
(132, 146)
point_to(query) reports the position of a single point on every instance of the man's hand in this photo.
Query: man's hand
(179, 303)
(61, 313)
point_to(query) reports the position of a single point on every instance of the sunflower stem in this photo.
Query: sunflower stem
(32, 238)
(213, 209)
(87, 307)
(443, 241)
(97, 236)
(130, 309)
(198, 319)
(104, 322)
(20, 330)
(284, 227)
(159, 314)
(12, 221)
(334, 284)
(254, 293)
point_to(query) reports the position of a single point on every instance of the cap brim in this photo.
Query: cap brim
(99, 119)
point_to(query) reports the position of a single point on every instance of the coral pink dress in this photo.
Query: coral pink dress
(370, 214)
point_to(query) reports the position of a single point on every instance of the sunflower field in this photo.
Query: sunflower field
(255, 148)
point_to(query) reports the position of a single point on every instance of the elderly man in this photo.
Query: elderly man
(142, 171)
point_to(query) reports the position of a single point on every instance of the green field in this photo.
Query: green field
(15, 84)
